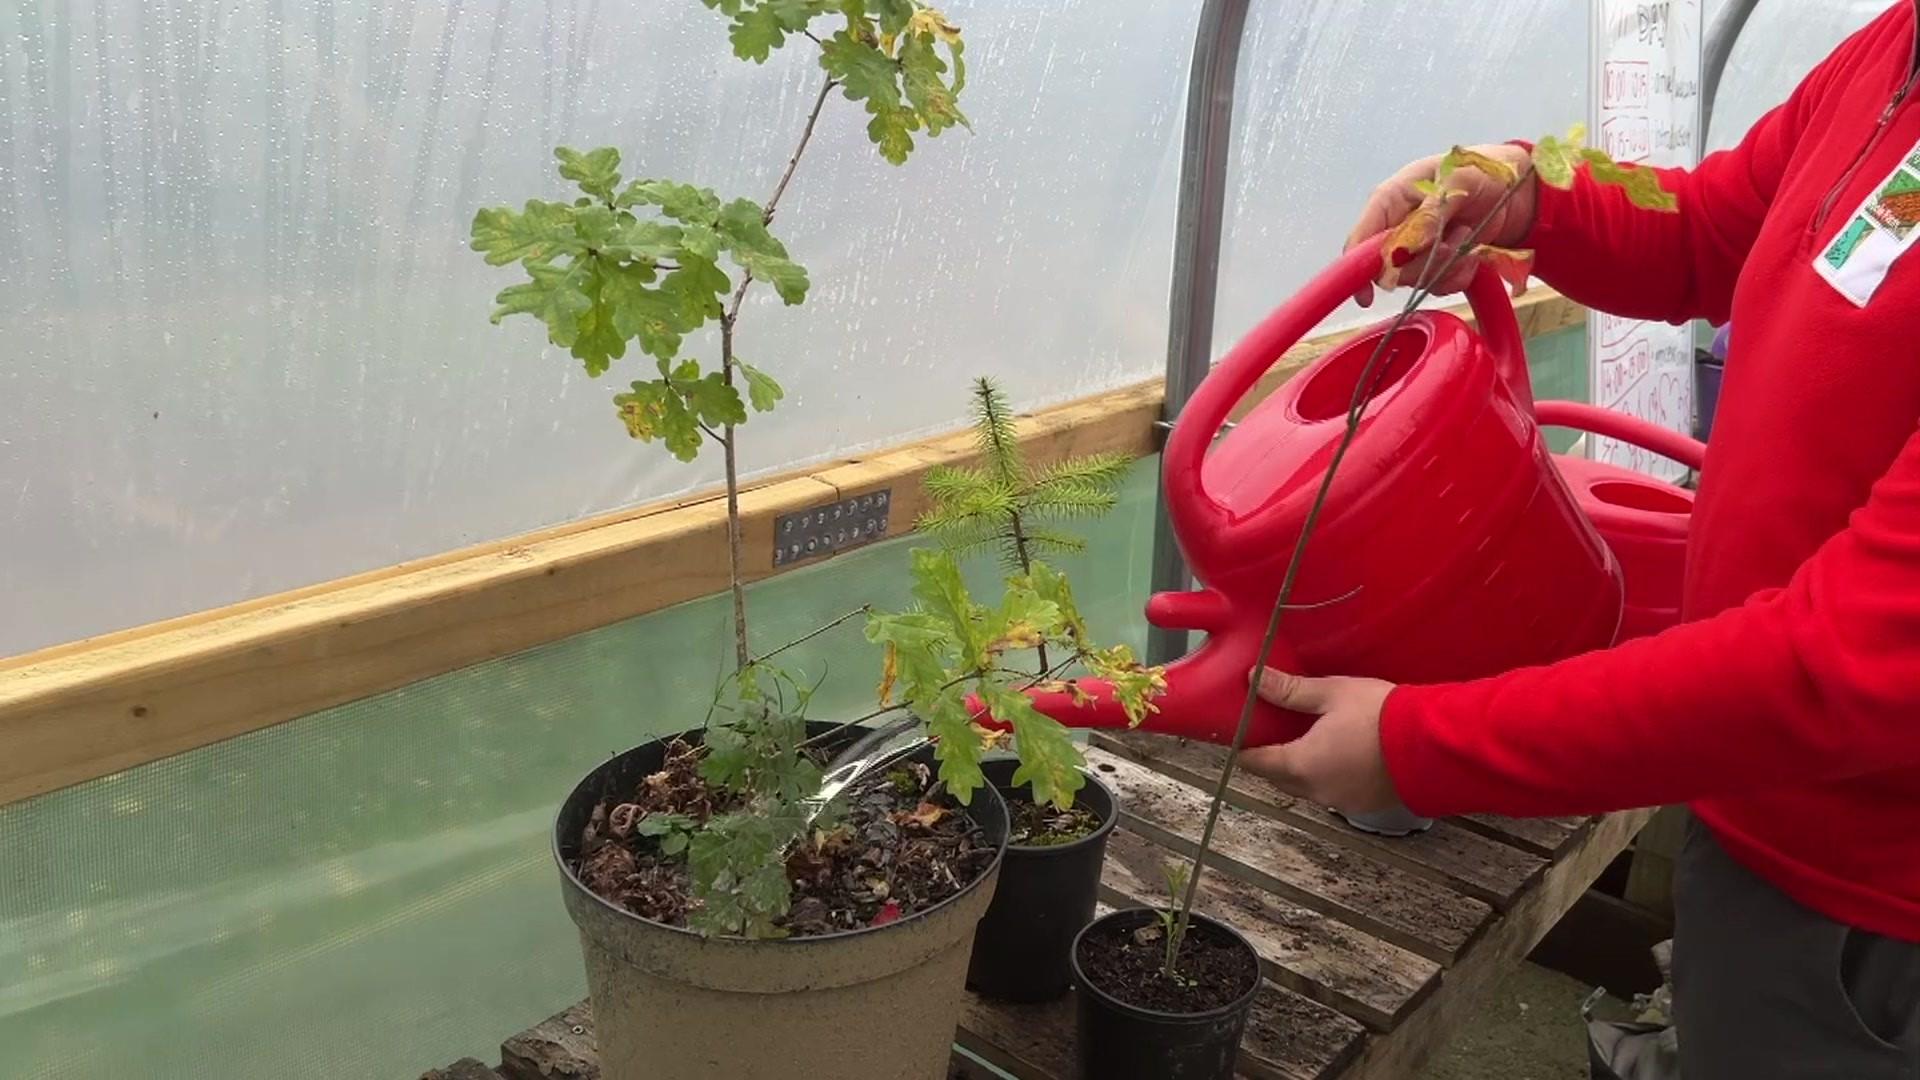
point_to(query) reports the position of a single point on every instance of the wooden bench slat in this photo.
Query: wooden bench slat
(1306, 952)
(1480, 866)
(1542, 836)
(1369, 895)
(1029, 1041)
(561, 1047)
(1291, 1038)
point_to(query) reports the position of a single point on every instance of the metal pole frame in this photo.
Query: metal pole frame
(1196, 261)
(1713, 61)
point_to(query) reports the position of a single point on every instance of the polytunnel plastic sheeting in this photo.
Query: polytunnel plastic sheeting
(246, 348)
(1782, 41)
(1335, 95)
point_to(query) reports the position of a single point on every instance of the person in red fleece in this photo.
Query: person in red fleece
(1785, 709)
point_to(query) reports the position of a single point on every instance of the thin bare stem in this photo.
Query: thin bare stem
(736, 560)
(806, 136)
(1317, 604)
(1433, 271)
(780, 189)
(864, 609)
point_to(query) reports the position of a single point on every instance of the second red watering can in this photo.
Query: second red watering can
(1449, 548)
(1643, 520)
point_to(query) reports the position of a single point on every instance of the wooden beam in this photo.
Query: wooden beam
(75, 712)
(1655, 850)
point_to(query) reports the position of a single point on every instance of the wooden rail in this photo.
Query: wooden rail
(87, 709)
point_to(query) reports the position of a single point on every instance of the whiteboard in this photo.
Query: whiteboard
(1645, 109)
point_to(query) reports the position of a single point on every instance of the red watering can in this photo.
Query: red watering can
(1450, 547)
(1643, 520)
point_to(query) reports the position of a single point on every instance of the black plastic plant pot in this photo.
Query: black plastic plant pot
(1046, 895)
(1118, 1041)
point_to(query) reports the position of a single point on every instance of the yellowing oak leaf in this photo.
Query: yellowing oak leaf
(1463, 158)
(1554, 162)
(889, 672)
(1642, 186)
(992, 738)
(1514, 267)
(1418, 232)
(1019, 635)
(931, 22)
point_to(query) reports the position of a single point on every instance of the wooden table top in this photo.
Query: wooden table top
(1374, 948)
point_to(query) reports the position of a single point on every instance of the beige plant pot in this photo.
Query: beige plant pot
(668, 1004)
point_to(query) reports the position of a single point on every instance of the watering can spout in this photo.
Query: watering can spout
(1202, 699)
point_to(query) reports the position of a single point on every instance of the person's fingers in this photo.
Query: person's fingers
(1294, 692)
(1277, 765)
(1392, 201)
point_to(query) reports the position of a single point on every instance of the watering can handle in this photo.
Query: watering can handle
(1250, 358)
(1628, 429)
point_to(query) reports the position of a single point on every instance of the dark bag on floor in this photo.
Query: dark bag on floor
(1624, 1051)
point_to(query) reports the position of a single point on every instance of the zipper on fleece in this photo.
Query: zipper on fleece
(1873, 143)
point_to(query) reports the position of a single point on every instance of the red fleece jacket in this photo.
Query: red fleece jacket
(1786, 709)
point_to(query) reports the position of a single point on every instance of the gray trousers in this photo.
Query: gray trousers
(1765, 989)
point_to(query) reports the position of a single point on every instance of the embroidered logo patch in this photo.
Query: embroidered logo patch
(1875, 236)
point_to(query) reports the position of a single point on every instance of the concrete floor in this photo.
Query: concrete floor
(1528, 1029)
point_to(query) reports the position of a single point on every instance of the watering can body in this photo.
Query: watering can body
(1449, 547)
(1643, 520)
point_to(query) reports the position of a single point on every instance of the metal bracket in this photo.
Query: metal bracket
(1165, 427)
(830, 528)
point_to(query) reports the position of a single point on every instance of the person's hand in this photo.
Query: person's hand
(1338, 762)
(1392, 201)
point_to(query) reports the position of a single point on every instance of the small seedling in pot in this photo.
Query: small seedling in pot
(1169, 930)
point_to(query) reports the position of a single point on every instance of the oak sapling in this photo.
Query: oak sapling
(717, 840)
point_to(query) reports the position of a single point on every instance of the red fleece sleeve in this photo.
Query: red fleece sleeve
(1596, 247)
(1816, 681)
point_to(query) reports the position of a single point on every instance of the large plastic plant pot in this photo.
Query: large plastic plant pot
(669, 1004)
(1046, 895)
(1118, 1041)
